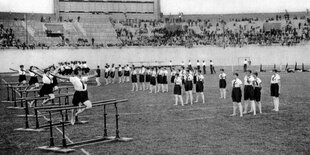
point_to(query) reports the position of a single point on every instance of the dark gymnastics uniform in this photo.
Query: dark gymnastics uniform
(141, 77)
(165, 78)
(222, 83)
(153, 79)
(248, 89)
(80, 94)
(172, 77)
(134, 77)
(120, 73)
(33, 79)
(274, 87)
(199, 84)
(177, 90)
(188, 83)
(257, 90)
(22, 76)
(159, 78)
(47, 87)
(148, 77)
(236, 93)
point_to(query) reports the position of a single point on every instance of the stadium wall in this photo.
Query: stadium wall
(220, 56)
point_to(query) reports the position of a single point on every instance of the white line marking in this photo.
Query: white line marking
(83, 150)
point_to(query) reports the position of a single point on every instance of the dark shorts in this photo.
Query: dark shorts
(177, 90)
(46, 90)
(120, 74)
(159, 79)
(195, 79)
(188, 85)
(126, 73)
(222, 84)
(153, 81)
(236, 95)
(199, 87)
(33, 80)
(55, 82)
(134, 79)
(79, 97)
(172, 79)
(257, 94)
(21, 78)
(248, 92)
(141, 78)
(106, 75)
(274, 90)
(112, 74)
(148, 78)
(165, 81)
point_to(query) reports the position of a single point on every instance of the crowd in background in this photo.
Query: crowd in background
(189, 33)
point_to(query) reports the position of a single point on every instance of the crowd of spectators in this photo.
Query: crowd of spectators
(224, 34)
(189, 33)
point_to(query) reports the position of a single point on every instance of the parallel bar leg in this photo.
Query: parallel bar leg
(26, 117)
(64, 143)
(51, 131)
(66, 103)
(14, 97)
(12, 94)
(37, 119)
(105, 134)
(116, 120)
(8, 92)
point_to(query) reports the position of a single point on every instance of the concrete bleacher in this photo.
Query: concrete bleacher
(96, 26)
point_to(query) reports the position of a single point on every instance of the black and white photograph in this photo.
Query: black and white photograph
(150, 77)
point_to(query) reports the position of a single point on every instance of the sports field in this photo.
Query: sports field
(159, 127)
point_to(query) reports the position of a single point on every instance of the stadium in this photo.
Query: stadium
(101, 59)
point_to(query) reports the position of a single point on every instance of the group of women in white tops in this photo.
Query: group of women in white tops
(154, 79)
(49, 78)
(252, 92)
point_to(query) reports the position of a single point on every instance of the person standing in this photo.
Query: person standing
(204, 67)
(212, 67)
(189, 65)
(120, 74)
(160, 79)
(249, 93)
(198, 65)
(142, 78)
(98, 71)
(134, 79)
(189, 87)
(199, 87)
(236, 95)
(148, 78)
(173, 73)
(165, 81)
(275, 89)
(127, 73)
(177, 90)
(153, 80)
(222, 84)
(112, 73)
(257, 83)
(245, 65)
(106, 74)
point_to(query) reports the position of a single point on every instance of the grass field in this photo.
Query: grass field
(159, 127)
